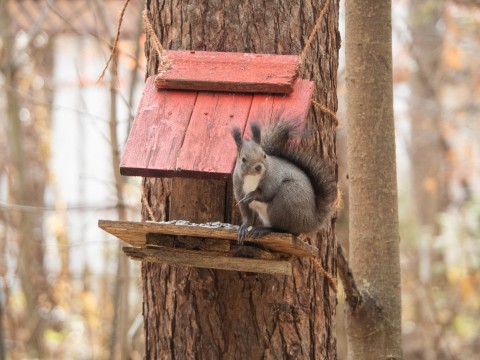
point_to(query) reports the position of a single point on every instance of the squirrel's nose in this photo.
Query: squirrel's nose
(258, 167)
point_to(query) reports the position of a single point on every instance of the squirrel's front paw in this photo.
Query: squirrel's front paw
(248, 198)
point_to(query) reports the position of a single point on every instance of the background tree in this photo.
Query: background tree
(440, 149)
(428, 150)
(373, 323)
(211, 314)
(28, 132)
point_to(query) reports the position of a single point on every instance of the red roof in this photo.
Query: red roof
(182, 133)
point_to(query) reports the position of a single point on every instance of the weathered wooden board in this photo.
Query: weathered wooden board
(208, 146)
(266, 108)
(135, 234)
(158, 132)
(205, 259)
(188, 134)
(229, 72)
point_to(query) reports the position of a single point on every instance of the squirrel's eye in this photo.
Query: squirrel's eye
(264, 156)
(243, 159)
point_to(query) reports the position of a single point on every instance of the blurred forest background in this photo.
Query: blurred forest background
(67, 292)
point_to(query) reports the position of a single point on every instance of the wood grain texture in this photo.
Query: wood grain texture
(158, 132)
(205, 206)
(208, 146)
(135, 234)
(294, 107)
(209, 260)
(185, 134)
(229, 72)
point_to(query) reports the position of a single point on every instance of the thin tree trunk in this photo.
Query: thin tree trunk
(208, 314)
(428, 152)
(2, 332)
(428, 145)
(374, 325)
(118, 343)
(28, 143)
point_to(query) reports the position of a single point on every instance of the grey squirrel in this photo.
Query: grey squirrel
(288, 189)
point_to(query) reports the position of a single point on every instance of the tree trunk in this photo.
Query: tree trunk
(428, 157)
(374, 325)
(119, 345)
(210, 314)
(28, 143)
(428, 146)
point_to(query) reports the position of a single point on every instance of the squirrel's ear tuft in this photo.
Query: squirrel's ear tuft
(237, 136)
(256, 133)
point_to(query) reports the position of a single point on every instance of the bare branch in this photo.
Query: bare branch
(353, 295)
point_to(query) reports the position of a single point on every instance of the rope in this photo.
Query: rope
(165, 64)
(146, 204)
(331, 279)
(326, 110)
(115, 44)
(157, 45)
(303, 54)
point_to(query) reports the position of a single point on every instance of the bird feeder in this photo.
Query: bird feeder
(183, 129)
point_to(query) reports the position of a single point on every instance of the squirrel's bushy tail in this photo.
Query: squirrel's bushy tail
(278, 139)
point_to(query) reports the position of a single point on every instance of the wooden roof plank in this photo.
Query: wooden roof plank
(229, 72)
(270, 108)
(135, 234)
(208, 146)
(158, 132)
(205, 259)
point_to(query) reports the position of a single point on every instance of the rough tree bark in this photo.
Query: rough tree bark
(374, 325)
(207, 314)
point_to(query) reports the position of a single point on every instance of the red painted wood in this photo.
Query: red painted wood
(294, 107)
(229, 72)
(209, 146)
(157, 132)
(188, 134)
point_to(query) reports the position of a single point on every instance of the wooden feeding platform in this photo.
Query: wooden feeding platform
(183, 129)
(212, 245)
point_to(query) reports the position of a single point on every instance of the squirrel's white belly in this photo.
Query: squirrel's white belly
(250, 183)
(261, 209)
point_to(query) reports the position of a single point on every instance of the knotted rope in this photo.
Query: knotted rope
(303, 54)
(164, 64)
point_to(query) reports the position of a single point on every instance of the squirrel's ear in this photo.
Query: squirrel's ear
(256, 132)
(237, 136)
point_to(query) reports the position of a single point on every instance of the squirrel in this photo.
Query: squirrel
(288, 189)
